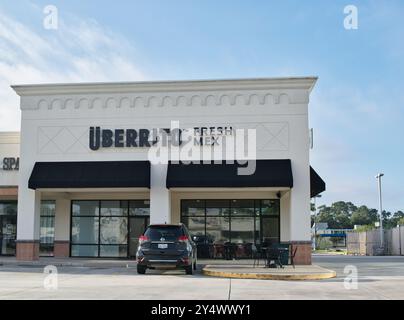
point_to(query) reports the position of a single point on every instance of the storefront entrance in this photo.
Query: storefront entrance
(137, 226)
(224, 228)
(8, 227)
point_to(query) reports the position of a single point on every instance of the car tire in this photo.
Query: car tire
(141, 269)
(189, 269)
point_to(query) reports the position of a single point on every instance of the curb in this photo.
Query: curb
(266, 276)
(63, 264)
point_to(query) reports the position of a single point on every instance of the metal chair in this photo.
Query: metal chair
(274, 254)
(256, 255)
(292, 255)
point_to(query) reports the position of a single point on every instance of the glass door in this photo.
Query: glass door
(8, 234)
(137, 225)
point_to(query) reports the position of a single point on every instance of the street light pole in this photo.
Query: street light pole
(379, 179)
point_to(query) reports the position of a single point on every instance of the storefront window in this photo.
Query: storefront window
(85, 208)
(242, 207)
(217, 229)
(47, 231)
(270, 229)
(114, 230)
(139, 208)
(193, 207)
(217, 207)
(8, 227)
(222, 226)
(85, 230)
(101, 228)
(114, 208)
(270, 207)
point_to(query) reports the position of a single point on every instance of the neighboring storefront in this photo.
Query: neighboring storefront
(89, 183)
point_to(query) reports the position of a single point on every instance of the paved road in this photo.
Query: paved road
(379, 278)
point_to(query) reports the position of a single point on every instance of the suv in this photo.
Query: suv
(166, 246)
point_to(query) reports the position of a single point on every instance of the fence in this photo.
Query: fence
(368, 242)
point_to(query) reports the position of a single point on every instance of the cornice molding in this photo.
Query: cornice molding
(304, 83)
(165, 99)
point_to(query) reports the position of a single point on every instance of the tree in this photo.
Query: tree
(397, 219)
(364, 216)
(344, 215)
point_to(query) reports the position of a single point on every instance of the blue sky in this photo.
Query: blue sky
(356, 109)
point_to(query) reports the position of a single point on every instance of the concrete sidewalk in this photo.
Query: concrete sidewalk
(241, 269)
(68, 262)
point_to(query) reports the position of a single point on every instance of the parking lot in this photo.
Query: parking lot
(378, 278)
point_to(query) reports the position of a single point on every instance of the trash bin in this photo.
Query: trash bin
(284, 252)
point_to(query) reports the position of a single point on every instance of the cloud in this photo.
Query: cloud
(79, 51)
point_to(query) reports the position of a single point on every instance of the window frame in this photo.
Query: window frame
(128, 216)
(256, 214)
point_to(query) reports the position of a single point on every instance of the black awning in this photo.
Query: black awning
(268, 173)
(317, 185)
(96, 174)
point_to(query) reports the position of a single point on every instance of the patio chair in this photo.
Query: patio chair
(256, 255)
(292, 256)
(274, 255)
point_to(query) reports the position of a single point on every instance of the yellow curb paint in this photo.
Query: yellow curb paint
(267, 276)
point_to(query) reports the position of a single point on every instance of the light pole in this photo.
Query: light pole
(379, 179)
(315, 221)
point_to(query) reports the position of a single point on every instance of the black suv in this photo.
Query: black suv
(166, 246)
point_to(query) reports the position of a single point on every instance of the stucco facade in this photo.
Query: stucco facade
(55, 128)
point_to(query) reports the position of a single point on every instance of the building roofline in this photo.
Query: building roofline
(305, 83)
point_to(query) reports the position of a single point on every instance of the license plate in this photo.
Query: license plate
(162, 246)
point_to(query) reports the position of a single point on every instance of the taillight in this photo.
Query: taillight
(143, 239)
(183, 239)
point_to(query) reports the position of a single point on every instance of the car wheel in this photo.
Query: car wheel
(141, 269)
(188, 269)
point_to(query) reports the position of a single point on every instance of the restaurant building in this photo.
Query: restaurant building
(95, 163)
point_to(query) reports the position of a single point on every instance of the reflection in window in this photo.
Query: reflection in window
(196, 224)
(193, 207)
(100, 227)
(85, 230)
(270, 229)
(139, 208)
(242, 230)
(216, 223)
(118, 251)
(85, 208)
(8, 227)
(84, 251)
(47, 228)
(270, 207)
(8, 208)
(217, 229)
(114, 230)
(242, 207)
(114, 208)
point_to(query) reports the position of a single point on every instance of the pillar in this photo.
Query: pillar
(300, 221)
(160, 204)
(28, 224)
(62, 228)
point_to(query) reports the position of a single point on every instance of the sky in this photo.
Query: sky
(356, 108)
